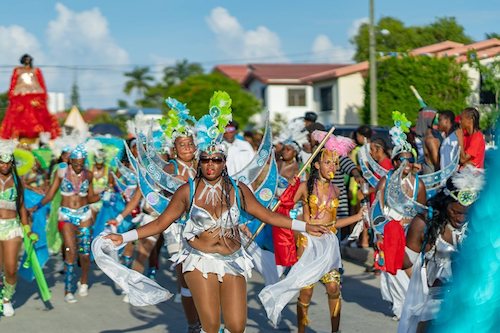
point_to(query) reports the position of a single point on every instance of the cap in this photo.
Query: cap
(311, 116)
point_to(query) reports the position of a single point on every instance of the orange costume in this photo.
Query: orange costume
(27, 114)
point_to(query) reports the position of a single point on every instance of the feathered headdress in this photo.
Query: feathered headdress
(7, 150)
(467, 183)
(178, 122)
(398, 134)
(293, 134)
(67, 142)
(139, 125)
(210, 128)
(339, 144)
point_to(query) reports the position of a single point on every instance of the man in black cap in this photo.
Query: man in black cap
(310, 118)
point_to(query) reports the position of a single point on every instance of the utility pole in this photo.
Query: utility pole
(373, 69)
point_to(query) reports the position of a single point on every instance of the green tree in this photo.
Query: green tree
(440, 81)
(122, 103)
(75, 95)
(197, 90)
(393, 36)
(180, 71)
(490, 35)
(4, 102)
(139, 80)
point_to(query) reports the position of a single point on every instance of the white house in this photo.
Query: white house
(336, 91)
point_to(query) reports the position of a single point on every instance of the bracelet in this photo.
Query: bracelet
(298, 225)
(27, 228)
(119, 218)
(130, 236)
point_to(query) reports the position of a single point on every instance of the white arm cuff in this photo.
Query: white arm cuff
(298, 225)
(130, 236)
(119, 218)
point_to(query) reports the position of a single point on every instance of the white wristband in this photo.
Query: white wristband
(298, 225)
(130, 236)
(119, 218)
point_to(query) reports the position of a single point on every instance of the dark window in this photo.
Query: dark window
(296, 97)
(326, 98)
(485, 96)
(263, 95)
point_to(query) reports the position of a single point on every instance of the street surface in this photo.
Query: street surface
(103, 310)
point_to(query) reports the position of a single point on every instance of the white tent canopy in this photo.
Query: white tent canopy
(75, 121)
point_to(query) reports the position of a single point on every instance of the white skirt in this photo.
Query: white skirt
(238, 263)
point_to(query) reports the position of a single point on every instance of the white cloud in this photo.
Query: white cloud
(259, 45)
(323, 50)
(353, 29)
(72, 38)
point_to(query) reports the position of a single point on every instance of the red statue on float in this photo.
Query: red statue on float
(27, 114)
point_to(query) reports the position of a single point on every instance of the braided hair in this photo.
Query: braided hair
(438, 218)
(19, 186)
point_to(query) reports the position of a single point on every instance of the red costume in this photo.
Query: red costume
(27, 114)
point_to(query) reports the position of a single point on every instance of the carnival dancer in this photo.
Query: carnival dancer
(400, 195)
(101, 179)
(75, 218)
(320, 199)
(13, 218)
(27, 101)
(215, 265)
(432, 240)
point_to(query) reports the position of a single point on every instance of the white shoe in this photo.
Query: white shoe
(83, 289)
(8, 310)
(178, 298)
(70, 298)
(126, 299)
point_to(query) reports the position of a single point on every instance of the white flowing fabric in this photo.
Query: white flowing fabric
(393, 289)
(140, 290)
(321, 255)
(415, 299)
(264, 261)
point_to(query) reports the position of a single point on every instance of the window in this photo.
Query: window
(296, 97)
(485, 96)
(326, 98)
(263, 92)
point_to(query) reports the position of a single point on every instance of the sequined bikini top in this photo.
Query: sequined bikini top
(68, 188)
(329, 205)
(8, 197)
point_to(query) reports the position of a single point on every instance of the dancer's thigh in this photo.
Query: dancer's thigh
(234, 302)
(206, 297)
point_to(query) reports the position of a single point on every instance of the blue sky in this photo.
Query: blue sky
(108, 37)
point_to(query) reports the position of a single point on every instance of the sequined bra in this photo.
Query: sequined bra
(329, 205)
(200, 220)
(8, 198)
(68, 188)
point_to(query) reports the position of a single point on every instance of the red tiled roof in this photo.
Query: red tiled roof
(287, 73)
(90, 114)
(236, 72)
(438, 47)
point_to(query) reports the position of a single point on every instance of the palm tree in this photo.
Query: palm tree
(139, 81)
(180, 71)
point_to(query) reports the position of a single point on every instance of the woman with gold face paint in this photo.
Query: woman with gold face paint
(320, 200)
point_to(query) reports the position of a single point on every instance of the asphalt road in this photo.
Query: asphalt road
(103, 310)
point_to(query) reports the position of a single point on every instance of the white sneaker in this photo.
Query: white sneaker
(70, 298)
(8, 310)
(83, 289)
(178, 298)
(125, 299)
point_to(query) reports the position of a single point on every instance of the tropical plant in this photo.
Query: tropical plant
(139, 81)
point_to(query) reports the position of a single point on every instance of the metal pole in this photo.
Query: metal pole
(373, 69)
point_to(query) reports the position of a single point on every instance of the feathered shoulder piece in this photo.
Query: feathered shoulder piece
(211, 127)
(7, 149)
(293, 134)
(467, 183)
(178, 122)
(398, 133)
(339, 144)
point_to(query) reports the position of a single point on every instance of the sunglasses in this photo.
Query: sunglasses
(214, 160)
(409, 159)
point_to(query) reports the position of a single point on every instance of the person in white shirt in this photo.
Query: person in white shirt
(239, 151)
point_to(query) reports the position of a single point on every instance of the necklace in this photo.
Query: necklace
(212, 192)
(190, 170)
(3, 182)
